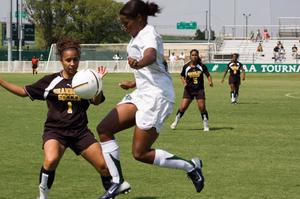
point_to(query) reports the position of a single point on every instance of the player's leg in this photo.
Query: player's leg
(185, 102)
(93, 154)
(142, 151)
(237, 88)
(204, 113)
(120, 118)
(232, 92)
(53, 152)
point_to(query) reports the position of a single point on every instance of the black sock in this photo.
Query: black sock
(179, 113)
(51, 175)
(204, 115)
(106, 181)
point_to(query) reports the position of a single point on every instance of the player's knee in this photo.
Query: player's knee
(138, 155)
(51, 163)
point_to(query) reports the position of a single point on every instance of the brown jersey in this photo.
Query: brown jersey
(193, 76)
(66, 110)
(235, 71)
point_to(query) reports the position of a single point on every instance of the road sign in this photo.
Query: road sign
(187, 25)
(28, 30)
(23, 14)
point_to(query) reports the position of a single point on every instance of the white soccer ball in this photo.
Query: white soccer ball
(86, 83)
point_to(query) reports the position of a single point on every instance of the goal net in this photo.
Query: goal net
(112, 56)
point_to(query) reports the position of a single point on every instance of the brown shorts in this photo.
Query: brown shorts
(77, 140)
(200, 94)
(234, 80)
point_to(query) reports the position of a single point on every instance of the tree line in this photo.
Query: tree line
(88, 21)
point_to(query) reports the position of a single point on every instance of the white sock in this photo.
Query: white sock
(110, 149)
(166, 159)
(43, 187)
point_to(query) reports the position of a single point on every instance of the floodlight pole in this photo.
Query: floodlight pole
(20, 29)
(246, 17)
(9, 34)
(234, 18)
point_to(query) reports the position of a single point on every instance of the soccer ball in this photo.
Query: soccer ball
(86, 83)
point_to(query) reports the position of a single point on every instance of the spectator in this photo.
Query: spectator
(181, 56)
(252, 36)
(173, 57)
(294, 51)
(281, 52)
(276, 53)
(266, 35)
(34, 62)
(259, 49)
(116, 57)
(258, 36)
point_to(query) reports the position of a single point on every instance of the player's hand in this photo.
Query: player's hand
(133, 63)
(222, 80)
(211, 84)
(102, 71)
(127, 84)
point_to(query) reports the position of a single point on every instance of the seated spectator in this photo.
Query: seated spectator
(276, 53)
(294, 51)
(281, 52)
(266, 35)
(259, 49)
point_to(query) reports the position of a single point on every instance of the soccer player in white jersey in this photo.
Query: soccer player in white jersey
(147, 106)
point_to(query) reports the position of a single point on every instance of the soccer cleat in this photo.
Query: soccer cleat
(205, 125)
(196, 175)
(174, 124)
(116, 189)
(124, 188)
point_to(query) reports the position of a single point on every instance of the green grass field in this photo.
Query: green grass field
(251, 152)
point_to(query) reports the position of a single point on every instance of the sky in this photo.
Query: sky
(263, 12)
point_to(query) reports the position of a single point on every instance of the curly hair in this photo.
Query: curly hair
(67, 43)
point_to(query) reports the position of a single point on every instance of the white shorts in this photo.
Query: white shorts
(152, 109)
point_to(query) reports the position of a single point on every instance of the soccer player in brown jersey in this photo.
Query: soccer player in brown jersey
(192, 79)
(234, 67)
(66, 123)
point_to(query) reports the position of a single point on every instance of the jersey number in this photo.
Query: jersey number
(195, 80)
(70, 110)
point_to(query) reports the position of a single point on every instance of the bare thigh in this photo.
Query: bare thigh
(185, 102)
(53, 152)
(118, 119)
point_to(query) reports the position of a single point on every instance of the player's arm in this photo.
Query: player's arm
(209, 78)
(183, 80)
(17, 90)
(243, 74)
(224, 75)
(149, 57)
(127, 84)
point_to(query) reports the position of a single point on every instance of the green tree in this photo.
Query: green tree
(199, 35)
(88, 21)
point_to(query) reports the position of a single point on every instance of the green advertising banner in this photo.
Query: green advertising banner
(259, 68)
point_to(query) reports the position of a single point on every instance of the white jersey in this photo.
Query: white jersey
(155, 78)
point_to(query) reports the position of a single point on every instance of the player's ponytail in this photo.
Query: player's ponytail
(134, 8)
